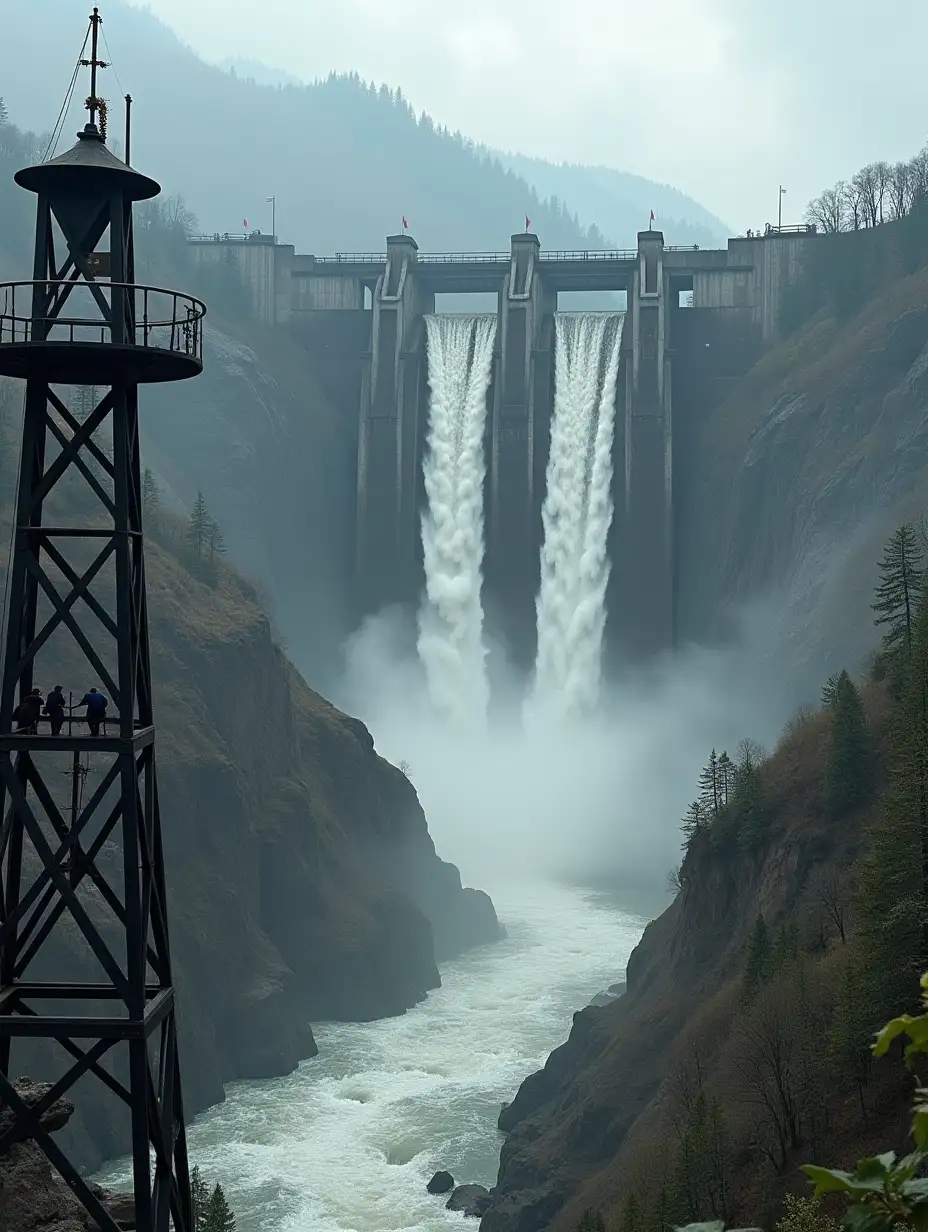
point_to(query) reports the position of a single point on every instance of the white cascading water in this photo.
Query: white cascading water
(460, 358)
(577, 514)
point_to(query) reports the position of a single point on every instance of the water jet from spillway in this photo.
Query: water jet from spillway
(450, 644)
(576, 516)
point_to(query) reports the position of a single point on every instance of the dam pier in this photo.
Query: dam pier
(695, 321)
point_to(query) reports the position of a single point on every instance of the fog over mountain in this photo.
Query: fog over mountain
(345, 160)
(724, 99)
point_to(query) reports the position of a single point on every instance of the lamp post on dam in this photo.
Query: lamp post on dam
(85, 965)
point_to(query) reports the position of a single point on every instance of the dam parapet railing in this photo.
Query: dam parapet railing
(748, 276)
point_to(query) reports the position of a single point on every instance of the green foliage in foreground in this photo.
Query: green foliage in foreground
(887, 1192)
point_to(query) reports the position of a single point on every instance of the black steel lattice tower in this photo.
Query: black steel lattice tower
(85, 971)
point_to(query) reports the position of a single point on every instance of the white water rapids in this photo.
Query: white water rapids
(577, 514)
(348, 1142)
(460, 358)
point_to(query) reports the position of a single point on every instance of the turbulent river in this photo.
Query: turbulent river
(350, 1139)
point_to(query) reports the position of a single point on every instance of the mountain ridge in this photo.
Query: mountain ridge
(319, 148)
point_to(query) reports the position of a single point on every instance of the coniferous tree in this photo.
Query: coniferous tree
(786, 947)
(748, 797)
(215, 543)
(892, 876)
(219, 1216)
(758, 961)
(151, 495)
(631, 1215)
(710, 795)
(726, 776)
(199, 525)
(83, 401)
(696, 820)
(851, 1034)
(199, 1199)
(830, 692)
(896, 598)
(847, 769)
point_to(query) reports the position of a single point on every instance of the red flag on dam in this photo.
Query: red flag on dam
(652, 216)
(405, 223)
(245, 223)
(528, 222)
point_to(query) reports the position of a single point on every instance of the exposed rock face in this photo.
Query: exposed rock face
(32, 1198)
(802, 473)
(31, 1093)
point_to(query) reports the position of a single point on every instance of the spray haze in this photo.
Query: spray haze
(580, 796)
(566, 775)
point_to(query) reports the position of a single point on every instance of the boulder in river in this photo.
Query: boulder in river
(441, 1183)
(469, 1200)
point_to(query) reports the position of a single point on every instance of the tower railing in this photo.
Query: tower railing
(155, 317)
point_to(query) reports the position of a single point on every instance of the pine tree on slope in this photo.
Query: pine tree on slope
(199, 1199)
(219, 1217)
(199, 525)
(847, 769)
(896, 598)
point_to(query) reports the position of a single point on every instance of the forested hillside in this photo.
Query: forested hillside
(345, 160)
(741, 1048)
(618, 204)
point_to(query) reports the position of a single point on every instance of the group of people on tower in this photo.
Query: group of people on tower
(34, 706)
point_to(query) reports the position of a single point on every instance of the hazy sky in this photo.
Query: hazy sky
(725, 99)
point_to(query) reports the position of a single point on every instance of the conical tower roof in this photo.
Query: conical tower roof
(88, 167)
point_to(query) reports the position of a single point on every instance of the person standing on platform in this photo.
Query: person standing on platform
(96, 705)
(54, 709)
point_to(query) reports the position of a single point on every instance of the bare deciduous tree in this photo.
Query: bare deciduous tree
(766, 1060)
(918, 170)
(675, 880)
(882, 177)
(176, 213)
(865, 182)
(900, 190)
(853, 205)
(827, 211)
(831, 893)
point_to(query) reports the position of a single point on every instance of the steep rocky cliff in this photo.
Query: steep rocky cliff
(800, 475)
(303, 883)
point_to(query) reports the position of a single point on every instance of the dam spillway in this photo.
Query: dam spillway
(695, 321)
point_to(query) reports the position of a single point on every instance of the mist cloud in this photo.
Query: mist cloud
(596, 797)
(724, 100)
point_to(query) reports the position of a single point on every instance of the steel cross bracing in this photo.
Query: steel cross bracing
(85, 974)
(50, 868)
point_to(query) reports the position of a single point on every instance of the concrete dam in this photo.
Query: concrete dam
(694, 321)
